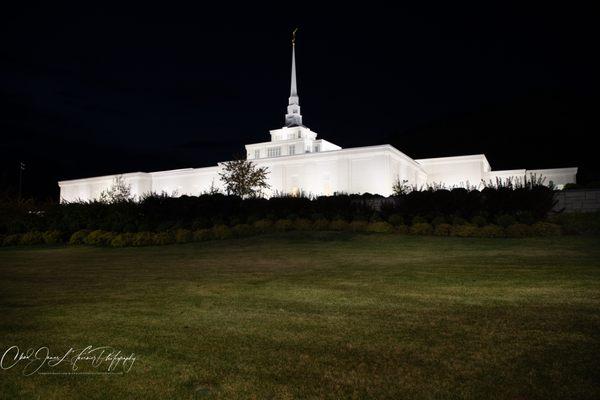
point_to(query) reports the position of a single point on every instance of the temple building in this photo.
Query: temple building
(298, 161)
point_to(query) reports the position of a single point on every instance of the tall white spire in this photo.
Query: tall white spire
(293, 116)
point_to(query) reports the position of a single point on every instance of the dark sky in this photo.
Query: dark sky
(90, 90)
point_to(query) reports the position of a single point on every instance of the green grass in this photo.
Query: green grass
(319, 315)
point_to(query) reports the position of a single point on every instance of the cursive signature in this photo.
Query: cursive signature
(90, 359)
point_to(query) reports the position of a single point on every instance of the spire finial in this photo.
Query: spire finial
(293, 116)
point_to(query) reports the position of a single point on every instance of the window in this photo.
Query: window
(273, 151)
(257, 153)
(292, 150)
(299, 135)
(316, 149)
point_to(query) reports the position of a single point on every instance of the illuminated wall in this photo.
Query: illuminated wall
(372, 169)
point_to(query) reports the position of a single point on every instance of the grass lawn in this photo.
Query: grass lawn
(312, 315)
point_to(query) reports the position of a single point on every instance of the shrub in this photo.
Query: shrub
(375, 217)
(339, 225)
(108, 237)
(525, 217)
(465, 230)
(143, 239)
(439, 220)
(578, 223)
(242, 230)
(52, 237)
(79, 236)
(396, 219)
(506, 220)
(418, 220)
(421, 228)
(221, 232)
(380, 227)
(303, 224)
(122, 240)
(491, 231)
(33, 237)
(321, 225)
(11, 240)
(183, 236)
(478, 220)
(518, 231)
(163, 238)
(99, 238)
(283, 225)
(402, 229)
(458, 220)
(442, 230)
(358, 226)
(201, 235)
(545, 229)
(263, 225)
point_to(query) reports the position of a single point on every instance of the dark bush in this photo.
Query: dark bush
(123, 240)
(478, 220)
(380, 227)
(243, 230)
(442, 229)
(162, 238)
(456, 220)
(263, 225)
(321, 225)
(183, 236)
(143, 239)
(418, 220)
(283, 225)
(421, 228)
(545, 229)
(396, 219)
(358, 226)
(339, 225)
(506, 220)
(303, 224)
(52, 237)
(79, 236)
(201, 235)
(30, 238)
(401, 229)
(99, 238)
(578, 223)
(439, 220)
(11, 240)
(466, 230)
(160, 213)
(518, 231)
(221, 232)
(491, 231)
(525, 217)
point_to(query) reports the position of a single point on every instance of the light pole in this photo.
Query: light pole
(21, 169)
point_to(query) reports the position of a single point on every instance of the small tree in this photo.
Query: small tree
(243, 178)
(119, 191)
(401, 187)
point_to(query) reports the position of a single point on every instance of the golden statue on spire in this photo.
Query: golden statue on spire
(294, 37)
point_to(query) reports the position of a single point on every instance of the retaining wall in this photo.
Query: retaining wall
(582, 200)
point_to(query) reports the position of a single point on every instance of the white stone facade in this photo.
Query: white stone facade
(298, 162)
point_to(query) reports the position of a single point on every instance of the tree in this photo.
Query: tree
(243, 178)
(118, 192)
(401, 187)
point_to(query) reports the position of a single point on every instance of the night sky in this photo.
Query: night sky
(90, 91)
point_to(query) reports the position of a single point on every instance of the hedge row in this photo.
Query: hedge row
(500, 206)
(126, 239)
